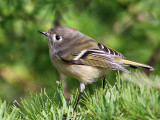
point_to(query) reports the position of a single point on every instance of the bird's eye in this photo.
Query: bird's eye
(57, 37)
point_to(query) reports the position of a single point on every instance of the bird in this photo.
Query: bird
(81, 57)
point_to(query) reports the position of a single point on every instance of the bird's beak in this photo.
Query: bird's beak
(45, 33)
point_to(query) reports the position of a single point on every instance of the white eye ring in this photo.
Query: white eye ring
(57, 37)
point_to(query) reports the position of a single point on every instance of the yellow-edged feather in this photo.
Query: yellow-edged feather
(133, 63)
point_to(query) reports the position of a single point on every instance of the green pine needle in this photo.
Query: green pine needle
(134, 96)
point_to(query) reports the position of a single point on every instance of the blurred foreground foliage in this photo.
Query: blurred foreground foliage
(124, 100)
(130, 27)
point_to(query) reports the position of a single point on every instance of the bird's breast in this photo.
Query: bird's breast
(84, 73)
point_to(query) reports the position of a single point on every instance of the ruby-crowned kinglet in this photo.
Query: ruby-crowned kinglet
(81, 57)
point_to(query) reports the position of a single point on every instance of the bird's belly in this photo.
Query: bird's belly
(85, 74)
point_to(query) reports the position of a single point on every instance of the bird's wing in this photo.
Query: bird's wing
(98, 57)
(110, 51)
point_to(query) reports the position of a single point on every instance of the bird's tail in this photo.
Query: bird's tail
(133, 64)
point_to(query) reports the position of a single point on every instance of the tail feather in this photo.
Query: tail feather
(134, 64)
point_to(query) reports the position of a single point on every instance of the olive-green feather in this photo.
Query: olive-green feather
(133, 64)
(96, 59)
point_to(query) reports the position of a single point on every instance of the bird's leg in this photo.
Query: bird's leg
(82, 87)
(104, 81)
